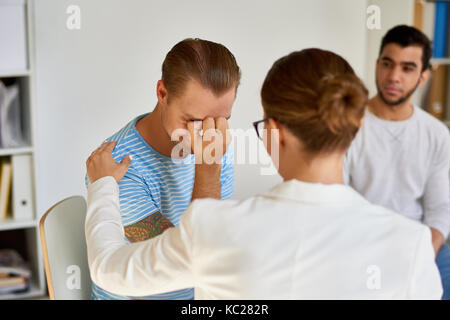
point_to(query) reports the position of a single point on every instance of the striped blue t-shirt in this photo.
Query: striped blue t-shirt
(155, 183)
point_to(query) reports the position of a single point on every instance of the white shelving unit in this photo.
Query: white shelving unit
(14, 151)
(438, 61)
(27, 230)
(15, 74)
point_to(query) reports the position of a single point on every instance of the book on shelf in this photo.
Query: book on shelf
(440, 29)
(433, 19)
(428, 19)
(14, 274)
(424, 17)
(448, 32)
(5, 186)
(10, 284)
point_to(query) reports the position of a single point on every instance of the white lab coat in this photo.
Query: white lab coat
(297, 241)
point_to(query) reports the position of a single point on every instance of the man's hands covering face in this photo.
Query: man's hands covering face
(209, 139)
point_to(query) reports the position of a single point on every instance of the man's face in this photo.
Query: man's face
(399, 73)
(196, 103)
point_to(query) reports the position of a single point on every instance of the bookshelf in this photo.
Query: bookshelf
(424, 19)
(439, 61)
(14, 73)
(15, 151)
(23, 234)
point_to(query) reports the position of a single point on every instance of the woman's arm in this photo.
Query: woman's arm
(160, 264)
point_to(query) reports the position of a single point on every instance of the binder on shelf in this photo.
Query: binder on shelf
(22, 195)
(419, 8)
(5, 186)
(423, 19)
(440, 29)
(438, 88)
(429, 17)
(13, 55)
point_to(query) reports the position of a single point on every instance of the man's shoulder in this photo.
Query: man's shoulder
(424, 124)
(432, 124)
(127, 140)
(435, 133)
(123, 135)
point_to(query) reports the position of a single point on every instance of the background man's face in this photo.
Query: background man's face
(398, 73)
(196, 103)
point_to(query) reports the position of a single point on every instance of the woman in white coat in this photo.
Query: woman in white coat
(309, 237)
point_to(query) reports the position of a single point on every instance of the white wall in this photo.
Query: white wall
(92, 81)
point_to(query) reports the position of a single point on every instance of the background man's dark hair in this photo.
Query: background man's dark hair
(406, 36)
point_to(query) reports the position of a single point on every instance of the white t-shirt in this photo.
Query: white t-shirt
(404, 166)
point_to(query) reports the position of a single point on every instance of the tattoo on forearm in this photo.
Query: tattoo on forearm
(150, 227)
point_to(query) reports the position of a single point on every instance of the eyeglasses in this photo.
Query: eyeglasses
(259, 126)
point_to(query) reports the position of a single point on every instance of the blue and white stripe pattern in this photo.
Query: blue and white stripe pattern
(155, 183)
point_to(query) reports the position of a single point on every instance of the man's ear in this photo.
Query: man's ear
(161, 93)
(424, 76)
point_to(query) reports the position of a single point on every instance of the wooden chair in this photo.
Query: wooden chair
(64, 250)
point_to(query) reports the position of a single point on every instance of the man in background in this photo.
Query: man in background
(400, 158)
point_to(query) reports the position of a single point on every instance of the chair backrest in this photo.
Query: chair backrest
(64, 250)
